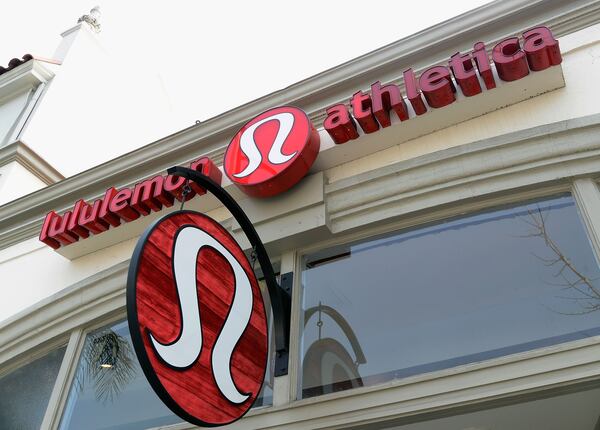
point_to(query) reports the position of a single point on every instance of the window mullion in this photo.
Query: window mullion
(587, 196)
(280, 383)
(296, 320)
(60, 391)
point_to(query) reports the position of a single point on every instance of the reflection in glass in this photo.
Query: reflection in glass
(579, 288)
(327, 365)
(458, 292)
(108, 366)
(24, 393)
(110, 390)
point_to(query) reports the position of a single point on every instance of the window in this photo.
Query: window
(24, 393)
(462, 291)
(109, 390)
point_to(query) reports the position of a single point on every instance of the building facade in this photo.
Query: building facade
(445, 265)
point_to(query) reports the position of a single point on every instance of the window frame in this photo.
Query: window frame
(587, 203)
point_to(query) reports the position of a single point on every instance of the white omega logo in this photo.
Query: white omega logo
(251, 151)
(185, 350)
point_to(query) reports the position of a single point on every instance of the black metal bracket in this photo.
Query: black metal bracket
(282, 357)
(280, 298)
(286, 281)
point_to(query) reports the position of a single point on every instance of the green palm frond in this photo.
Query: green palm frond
(108, 363)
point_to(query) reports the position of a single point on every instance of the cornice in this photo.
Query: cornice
(21, 218)
(547, 156)
(24, 155)
(24, 77)
(94, 297)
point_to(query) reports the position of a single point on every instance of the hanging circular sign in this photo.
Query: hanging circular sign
(272, 152)
(197, 319)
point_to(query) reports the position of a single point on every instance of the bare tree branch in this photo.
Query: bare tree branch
(581, 283)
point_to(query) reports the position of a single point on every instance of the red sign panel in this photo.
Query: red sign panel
(197, 319)
(272, 152)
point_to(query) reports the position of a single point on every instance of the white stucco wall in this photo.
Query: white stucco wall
(10, 110)
(16, 181)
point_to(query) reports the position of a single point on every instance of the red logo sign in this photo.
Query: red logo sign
(197, 319)
(272, 152)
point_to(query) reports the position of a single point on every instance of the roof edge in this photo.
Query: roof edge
(18, 151)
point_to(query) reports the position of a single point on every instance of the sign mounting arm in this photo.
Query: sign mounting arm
(280, 301)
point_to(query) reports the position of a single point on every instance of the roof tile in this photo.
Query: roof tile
(15, 62)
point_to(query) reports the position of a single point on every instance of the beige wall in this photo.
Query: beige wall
(16, 181)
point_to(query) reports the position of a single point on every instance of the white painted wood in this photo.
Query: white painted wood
(21, 153)
(16, 181)
(23, 78)
(281, 388)
(63, 379)
(289, 261)
(587, 194)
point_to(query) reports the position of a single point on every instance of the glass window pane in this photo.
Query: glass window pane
(462, 291)
(109, 390)
(24, 393)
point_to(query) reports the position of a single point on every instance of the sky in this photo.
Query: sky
(214, 56)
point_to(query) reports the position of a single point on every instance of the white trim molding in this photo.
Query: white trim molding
(26, 157)
(396, 402)
(548, 155)
(25, 77)
(587, 194)
(97, 297)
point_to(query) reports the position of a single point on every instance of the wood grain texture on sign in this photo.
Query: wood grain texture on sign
(153, 307)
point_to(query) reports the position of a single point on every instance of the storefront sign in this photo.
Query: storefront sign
(272, 152)
(122, 205)
(196, 313)
(276, 149)
(197, 319)
(436, 87)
